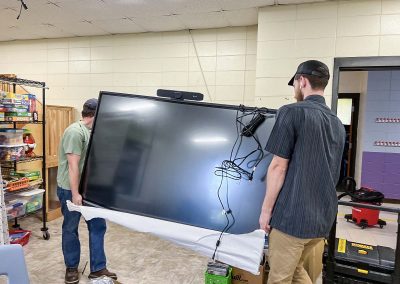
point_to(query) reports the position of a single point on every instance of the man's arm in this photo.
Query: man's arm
(73, 171)
(275, 179)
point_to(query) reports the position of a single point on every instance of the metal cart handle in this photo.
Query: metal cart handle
(364, 205)
(332, 240)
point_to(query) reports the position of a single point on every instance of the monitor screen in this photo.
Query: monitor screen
(159, 158)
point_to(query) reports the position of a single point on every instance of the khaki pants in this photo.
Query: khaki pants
(294, 260)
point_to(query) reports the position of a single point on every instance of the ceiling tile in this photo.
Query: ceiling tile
(15, 5)
(288, 2)
(83, 29)
(92, 10)
(161, 23)
(8, 16)
(119, 26)
(244, 17)
(67, 18)
(53, 11)
(22, 34)
(241, 4)
(140, 8)
(198, 6)
(50, 31)
(204, 20)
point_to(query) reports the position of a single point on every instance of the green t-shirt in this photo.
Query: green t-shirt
(74, 141)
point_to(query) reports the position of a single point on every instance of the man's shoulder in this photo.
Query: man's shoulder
(290, 108)
(297, 105)
(73, 129)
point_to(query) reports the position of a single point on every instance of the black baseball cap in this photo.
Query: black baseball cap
(313, 68)
(90, 104)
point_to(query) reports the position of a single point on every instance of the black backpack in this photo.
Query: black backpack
(364, 194)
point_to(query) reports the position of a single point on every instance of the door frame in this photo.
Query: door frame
(354, 127)
(368, 63)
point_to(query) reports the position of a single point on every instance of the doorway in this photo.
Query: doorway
(347, 110)
(374, 162)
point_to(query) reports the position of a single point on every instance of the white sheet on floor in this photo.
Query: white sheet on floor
(243, 251)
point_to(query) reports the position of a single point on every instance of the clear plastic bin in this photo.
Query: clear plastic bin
(33, 199)
(12, 153)
(15, 208)
(11, 137)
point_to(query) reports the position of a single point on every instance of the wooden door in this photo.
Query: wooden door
(58, 118)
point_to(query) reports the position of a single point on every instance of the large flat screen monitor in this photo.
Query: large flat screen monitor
(158, 157)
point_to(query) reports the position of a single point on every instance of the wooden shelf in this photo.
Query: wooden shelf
(21, 122)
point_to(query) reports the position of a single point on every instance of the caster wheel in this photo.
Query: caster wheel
(46, 235)
(363, 225)
(381, 226)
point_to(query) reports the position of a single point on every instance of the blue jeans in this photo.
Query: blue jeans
(71, 246)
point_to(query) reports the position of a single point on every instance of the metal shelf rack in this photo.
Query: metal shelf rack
(14, 82)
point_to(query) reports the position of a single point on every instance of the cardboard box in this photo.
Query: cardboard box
(240, 276)
(312, 264)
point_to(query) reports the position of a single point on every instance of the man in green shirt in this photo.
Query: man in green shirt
(72, 154)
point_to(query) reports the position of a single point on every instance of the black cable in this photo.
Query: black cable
(231, 169)
(23, 4)
(20, 9)
(233, 165)
(229, 208)
(226, 216)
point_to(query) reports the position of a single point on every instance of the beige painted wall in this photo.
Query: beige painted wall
(76, 69)
(288, 35)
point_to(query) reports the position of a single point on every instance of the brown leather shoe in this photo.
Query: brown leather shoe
(103, 272)
(71, 276)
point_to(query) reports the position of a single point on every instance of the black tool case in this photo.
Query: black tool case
(352, 262)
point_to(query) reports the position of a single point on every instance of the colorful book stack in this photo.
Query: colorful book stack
(17, 107)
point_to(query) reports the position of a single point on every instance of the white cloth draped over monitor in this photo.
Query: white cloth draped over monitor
(244, 251)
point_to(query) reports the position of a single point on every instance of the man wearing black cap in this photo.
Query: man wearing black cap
(300, 204)
(72, 153)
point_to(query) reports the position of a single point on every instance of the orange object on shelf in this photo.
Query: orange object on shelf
(19, 184)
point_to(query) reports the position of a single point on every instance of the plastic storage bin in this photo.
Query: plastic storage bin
(218, 279)
(11, 137)
(19, 237)
(12, 153)
(15, 208)
(33, 199)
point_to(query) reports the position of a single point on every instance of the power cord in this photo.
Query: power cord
(233, 168)
(23, 5)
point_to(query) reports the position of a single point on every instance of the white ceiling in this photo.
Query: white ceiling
(70, 18)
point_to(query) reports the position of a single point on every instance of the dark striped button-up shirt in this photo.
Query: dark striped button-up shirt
(312, 137)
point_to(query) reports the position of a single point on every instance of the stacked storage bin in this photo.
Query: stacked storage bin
(17, 108)
(11, 144)
(14, 108)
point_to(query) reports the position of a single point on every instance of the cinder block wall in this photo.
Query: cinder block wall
(78, 68)
(288, 35)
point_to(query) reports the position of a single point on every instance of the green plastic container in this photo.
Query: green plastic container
(218, 279)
